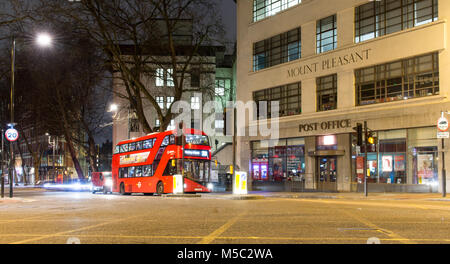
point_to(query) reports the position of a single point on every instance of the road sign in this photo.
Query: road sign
(442, 126)
(11, 134)
(443, 134)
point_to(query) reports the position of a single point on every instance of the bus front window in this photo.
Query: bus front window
(197, 170)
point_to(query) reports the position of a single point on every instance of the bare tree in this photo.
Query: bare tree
(140, 36)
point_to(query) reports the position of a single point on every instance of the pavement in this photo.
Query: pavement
(35, 215)
(254, 195)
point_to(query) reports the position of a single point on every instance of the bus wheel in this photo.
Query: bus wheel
(160, 188)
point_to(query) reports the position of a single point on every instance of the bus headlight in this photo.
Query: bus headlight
(108, 182)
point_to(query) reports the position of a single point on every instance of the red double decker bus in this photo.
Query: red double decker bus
(147, 164)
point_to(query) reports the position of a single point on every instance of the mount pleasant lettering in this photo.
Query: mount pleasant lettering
(330, 63)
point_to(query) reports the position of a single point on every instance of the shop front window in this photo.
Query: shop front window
(392, 163)
(260, 162)
(278, 161)
(400, 157)
(423, 156)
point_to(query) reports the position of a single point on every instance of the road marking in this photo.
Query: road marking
(208, 239)
(31, 218)
(366, 222)
(370, 203)
(74, 230)
(389, 233)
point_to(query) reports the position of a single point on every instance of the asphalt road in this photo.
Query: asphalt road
(43, 217)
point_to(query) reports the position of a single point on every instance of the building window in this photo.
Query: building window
(267, 8)
(160, 101)
(171, 126)
(164, 77)
(219, 123)
(326, 35)
(279, 49)
(399, 80)
(170, 100)
(195, 77)
(289, 98)
(157, 123)
(159, 77)
(326, 93)
(195, 102)
(170, 82)
(379, 18)
(222, 85)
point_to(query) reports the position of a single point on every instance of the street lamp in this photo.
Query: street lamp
(43, 40)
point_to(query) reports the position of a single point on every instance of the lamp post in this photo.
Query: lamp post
(2, 163)
(43, 40)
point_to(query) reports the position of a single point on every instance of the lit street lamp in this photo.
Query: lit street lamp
(43, 40)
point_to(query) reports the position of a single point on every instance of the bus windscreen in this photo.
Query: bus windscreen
(197, 139)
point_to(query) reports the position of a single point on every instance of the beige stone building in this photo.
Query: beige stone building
(330, 65)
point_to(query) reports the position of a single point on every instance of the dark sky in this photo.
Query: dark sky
(228, 8)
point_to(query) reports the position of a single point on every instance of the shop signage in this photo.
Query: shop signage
(329, 63)
(442, 126)
(326, 125)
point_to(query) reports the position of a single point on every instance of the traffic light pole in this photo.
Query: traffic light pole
(365, 158)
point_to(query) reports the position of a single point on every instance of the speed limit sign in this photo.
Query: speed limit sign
(11, 134)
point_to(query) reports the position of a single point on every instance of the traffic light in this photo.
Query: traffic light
(371, 139)
(359, 134)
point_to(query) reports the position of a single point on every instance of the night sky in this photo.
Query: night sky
(228, 8)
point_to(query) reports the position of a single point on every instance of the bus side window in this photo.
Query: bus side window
(116, 149)
(147, 171)
(123, 172)
(139, 145)
(138, 171)
(165, 141)
(131, 171)
(148, 144)
(132, 147)
(123, 148)
(171, 168)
